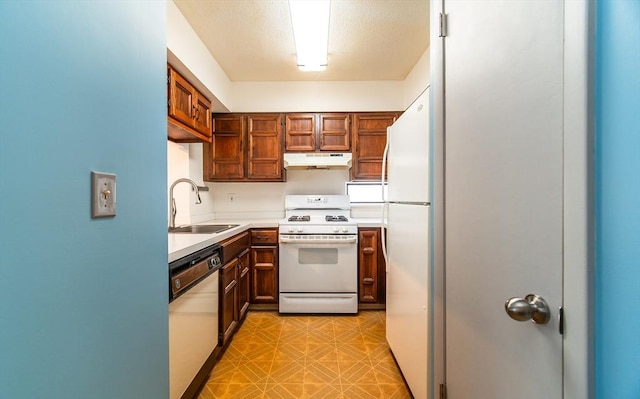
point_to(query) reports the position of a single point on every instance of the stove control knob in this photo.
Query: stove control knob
(336, 229)
(299, 229)
(291, 229)
(345, 229)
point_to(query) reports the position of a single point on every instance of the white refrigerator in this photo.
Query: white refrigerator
(407, 246)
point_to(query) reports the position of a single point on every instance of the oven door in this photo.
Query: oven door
(318, 265)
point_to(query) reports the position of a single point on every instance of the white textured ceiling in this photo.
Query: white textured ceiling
(252, 40)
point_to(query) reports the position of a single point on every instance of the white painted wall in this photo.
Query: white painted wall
(180, 165)
(418, 79)
(318, 96)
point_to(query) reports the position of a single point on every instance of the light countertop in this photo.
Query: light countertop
(183, 244)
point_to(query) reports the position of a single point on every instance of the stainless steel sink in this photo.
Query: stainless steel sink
(202, 228)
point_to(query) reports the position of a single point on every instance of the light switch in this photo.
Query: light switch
(103, 194)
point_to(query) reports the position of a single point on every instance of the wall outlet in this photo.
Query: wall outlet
(103, 194)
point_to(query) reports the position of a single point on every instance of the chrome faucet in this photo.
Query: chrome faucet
(174, 210)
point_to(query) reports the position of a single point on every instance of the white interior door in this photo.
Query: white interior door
(503, 68)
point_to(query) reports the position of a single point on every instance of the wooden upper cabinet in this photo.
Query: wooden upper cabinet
(245, 147)
(334, 132)
(189, 111)
(369, 139)
(317, 132)
(264, 152)
(202, 118)
(223, 158)
(300, 132)
(181, 96)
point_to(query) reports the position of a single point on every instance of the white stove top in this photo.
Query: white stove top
(317, 214)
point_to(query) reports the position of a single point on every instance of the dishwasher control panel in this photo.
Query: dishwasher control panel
(188, 271)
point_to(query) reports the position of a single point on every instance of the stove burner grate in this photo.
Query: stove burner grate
(301, 218)
(340, 218)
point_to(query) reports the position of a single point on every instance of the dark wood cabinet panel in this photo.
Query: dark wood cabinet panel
(334, 132)
(265, 146)
(181, 97)
(264, 288)
(317, 132)
(264, 266)
(234, 285)
(223, 158)
(250, 147)
(300, 132)
(371, 267)
(244, 284)
(189, 111)
(369, 139)
(202, 118)
(245, 147)
(264, 237)
(228, 301)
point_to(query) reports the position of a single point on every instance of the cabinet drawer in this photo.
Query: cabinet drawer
(233, 246)
(269, 236)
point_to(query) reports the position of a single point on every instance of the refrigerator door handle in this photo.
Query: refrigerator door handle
(385, 211)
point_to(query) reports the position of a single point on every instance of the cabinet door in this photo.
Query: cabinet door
(368, 260)
(369, 140)
(181, 95)
(264, 133)
(243, 284)
(371, 267)
(223, 158)
(300, 132)
(264, 286)
(334, 132)
(228, 301)
(202, 117)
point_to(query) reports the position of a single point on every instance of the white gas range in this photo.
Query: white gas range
(318, 255)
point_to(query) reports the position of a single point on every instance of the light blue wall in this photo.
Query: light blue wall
(617, 186)
(83, 303)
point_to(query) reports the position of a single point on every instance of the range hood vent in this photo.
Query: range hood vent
(317, 160)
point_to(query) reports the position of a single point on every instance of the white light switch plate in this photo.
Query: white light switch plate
(103, 194)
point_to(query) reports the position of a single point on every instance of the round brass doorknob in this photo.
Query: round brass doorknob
(531, 307)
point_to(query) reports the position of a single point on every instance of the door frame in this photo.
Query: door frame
(578, 266)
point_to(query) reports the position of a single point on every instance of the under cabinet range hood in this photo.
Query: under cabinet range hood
(317, 160)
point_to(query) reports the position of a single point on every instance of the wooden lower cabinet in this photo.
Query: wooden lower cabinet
(228, 301)
(371, 267)
(264, 266)
(244, 284)
(234, 285)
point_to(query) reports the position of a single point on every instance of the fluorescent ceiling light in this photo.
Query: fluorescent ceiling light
(310, 19)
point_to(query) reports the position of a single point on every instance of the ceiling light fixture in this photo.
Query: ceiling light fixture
(310, 19)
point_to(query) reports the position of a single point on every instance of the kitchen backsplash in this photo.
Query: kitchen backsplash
(233, 201)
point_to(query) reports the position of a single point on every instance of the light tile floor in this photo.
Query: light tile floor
(307, 356)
